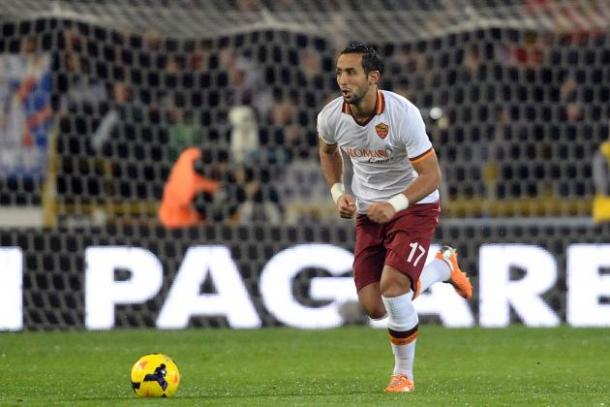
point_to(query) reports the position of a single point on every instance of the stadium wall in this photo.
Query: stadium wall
(259, 276)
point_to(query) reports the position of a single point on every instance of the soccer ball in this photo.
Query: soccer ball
(155, 375)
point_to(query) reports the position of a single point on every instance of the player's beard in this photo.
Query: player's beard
(356, 96)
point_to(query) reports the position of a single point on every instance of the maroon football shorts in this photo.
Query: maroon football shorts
(401, 243)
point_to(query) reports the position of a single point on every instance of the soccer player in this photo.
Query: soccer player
(395, 200)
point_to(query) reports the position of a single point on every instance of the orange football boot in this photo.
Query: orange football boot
(459, 280)
(400, 384)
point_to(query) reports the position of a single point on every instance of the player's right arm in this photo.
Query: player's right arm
(331, 163)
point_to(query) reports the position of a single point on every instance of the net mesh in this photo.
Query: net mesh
(375, 21)
(98, 98)
(514, 93)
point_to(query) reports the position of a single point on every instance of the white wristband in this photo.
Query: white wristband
(337, 190)
(399, 202)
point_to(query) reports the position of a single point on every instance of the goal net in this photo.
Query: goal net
(99, 98)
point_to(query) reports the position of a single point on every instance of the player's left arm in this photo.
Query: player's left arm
(427, 181)
(428, 177)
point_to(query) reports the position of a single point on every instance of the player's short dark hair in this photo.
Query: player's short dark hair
(370, 59)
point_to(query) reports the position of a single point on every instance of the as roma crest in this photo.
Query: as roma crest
(382, 130)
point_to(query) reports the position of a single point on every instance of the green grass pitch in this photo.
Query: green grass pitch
(286, 367)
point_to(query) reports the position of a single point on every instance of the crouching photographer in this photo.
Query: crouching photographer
(197, 190)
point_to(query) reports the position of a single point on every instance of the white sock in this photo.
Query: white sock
(435, 271)
(402, 326)
(404, 356)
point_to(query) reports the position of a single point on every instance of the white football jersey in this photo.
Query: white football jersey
(382, 149)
